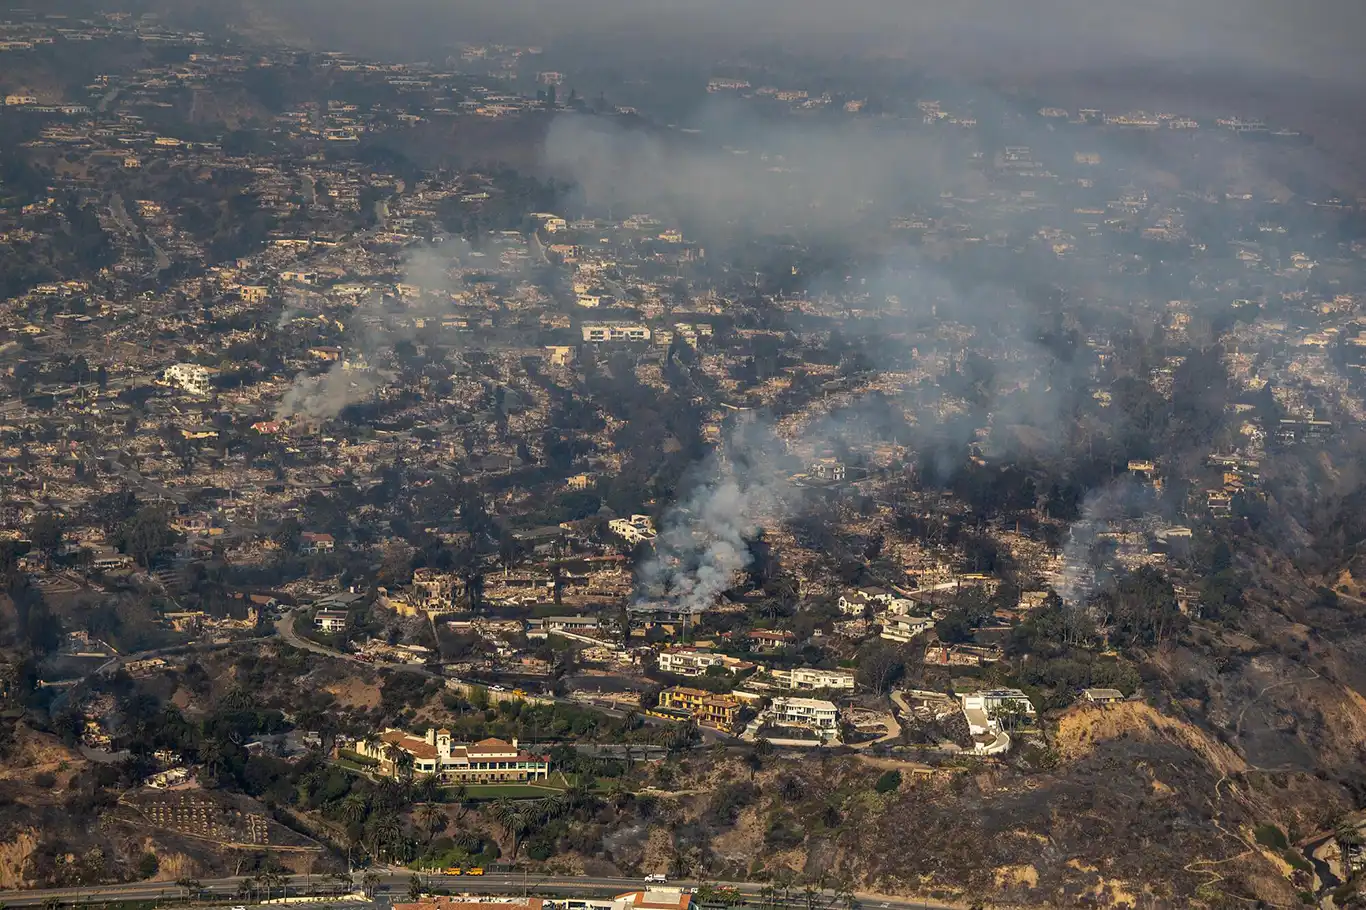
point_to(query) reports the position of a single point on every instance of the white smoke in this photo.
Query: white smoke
(325, 396)
(293, 308)
(1118, 504)
(703, 538)
(372, 334)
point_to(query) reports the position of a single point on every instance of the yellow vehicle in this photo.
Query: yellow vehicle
(518, 692)
(477, 870)
(452, 870)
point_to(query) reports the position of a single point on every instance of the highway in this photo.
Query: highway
(393, 885)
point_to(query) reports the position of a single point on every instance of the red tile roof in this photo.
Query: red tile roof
(450, 903)
(663, 899)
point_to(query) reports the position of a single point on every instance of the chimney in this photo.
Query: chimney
(514, 742)
(431, 736)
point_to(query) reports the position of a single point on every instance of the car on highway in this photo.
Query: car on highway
(656, 878)
(453, 870)
(477, 870)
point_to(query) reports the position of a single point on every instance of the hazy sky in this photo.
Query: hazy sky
(1319, 38)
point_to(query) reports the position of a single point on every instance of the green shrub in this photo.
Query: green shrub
(1271, 836)
(356, 758)
(888, 782)
(1296, 861)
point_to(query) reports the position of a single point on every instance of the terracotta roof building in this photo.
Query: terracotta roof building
(487, 761)
(655, 899)
(456, 903)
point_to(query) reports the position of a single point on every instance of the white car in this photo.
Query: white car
(657, 878)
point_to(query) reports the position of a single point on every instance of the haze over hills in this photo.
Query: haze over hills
(852, 450)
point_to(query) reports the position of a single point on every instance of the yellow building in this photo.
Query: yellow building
(706, 707)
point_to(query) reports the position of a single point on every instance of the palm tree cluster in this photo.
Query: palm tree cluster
(519, 820)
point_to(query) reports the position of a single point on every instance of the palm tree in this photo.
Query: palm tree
(354, 808)
(462, 798)
(392, 794)
(619, 793)
(432, 819)
(385, 833)
(580, 793)
(239, 700)
(368, 881)
(429, 789)
(404, 767)
(211, 755)
(515, 822)
(1350, 841)
(414, 888)
(503, 811)
(270, 879)
(551, 807)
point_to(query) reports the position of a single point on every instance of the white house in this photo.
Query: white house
(1102, 696)
(904, 628)
(982, 708)
(814, 678)
(812, 713)
(191, 377)
(827, 469)
(634, 529)
(579, 624)
(615, 331)
(691, 662)
(551, 224)
(330, 621)
(856, 601)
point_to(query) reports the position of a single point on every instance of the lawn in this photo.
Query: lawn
(511, 791)
(556, 783)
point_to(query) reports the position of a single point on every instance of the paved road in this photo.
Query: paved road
(284, 626)
(396, 883)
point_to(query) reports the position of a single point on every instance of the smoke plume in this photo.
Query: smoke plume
(325, 396)
(703, 538)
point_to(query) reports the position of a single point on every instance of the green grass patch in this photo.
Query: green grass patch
(1297, 861)
(1271, 836)
(510, 791)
